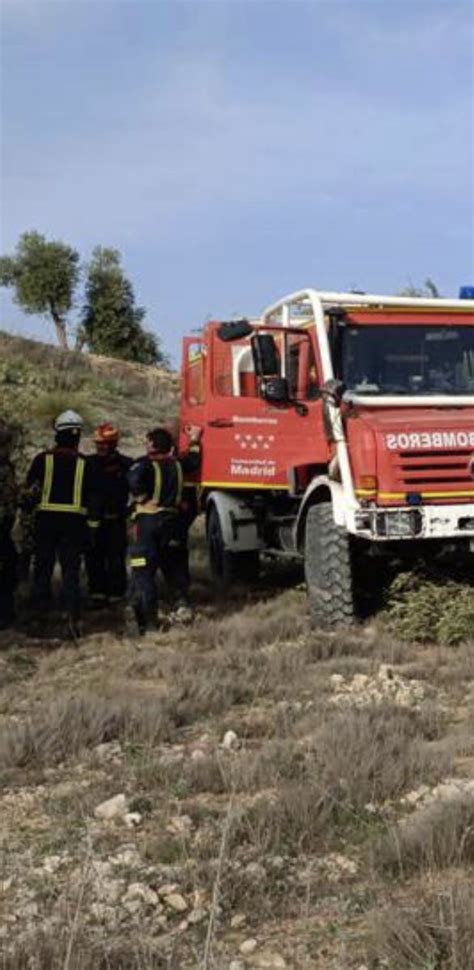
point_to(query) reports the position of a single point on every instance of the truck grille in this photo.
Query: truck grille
(434, 471)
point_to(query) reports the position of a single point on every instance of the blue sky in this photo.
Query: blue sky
(234, 151)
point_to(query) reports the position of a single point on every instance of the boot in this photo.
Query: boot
(135, 620)
(183, 614)
(74, 629)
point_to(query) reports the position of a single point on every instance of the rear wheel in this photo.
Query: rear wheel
(228, 568)
(329, 573)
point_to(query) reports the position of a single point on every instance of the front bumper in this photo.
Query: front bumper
(407, 522)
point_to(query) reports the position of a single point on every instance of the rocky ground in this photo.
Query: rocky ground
(244, 793)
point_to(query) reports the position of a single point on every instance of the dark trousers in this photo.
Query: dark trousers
(58, 536)
(106, 558)
(8, 577)
(159, 541)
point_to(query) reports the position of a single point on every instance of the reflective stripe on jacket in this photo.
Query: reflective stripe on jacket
(74, 501)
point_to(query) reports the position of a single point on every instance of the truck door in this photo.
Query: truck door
(249, 442)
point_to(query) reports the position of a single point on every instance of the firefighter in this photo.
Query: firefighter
(159, 527)
(107, 547)
(176, 564)
(59, 488)
(8, 509)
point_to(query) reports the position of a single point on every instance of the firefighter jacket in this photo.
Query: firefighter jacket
(108, 486)
(8, 495)
(159, 480)
(60, 481)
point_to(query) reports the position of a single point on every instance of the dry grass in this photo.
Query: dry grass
(308, 781)
(65, 729)
(49, 405)
(38, 381)
(375, 754)
(50, 950)
(437, 837)
(354, 758)
(434, 929)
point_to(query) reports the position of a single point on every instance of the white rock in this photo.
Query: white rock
(179, 825)
(128, 856)
(112, 808)
(132, 819)
(198, 755)
(248, 947)
(137, 890)
(359, 681)
(266, 960)
(413, 797)
(133, 907)
(168, 888)
(236, 965)
(230, 741)
(101, 913)
(177, 902)
(255, 871)
(238, 920)
(52, 862)
(108, 751)
(197, 916)
(336, 865)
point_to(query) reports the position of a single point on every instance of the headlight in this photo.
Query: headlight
(399, 524)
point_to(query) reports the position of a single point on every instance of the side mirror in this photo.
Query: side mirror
(266, 359)
(275, 390)
(234, 330)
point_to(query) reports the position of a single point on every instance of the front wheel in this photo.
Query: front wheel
(228, 568)
(329, 569)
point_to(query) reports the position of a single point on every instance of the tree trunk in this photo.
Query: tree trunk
(60, 327)
(81, 340)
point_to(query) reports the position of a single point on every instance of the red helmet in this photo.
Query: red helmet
(106, 434)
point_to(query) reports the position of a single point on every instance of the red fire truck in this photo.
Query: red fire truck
(336, 425)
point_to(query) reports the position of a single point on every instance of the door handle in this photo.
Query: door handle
(221, 423)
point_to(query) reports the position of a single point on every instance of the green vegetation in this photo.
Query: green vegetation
(431, 610)
(111, 323)
(37, 382)
(44, 276)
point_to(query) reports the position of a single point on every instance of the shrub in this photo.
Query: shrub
(433, 930)
(49, 405)
(430, 610)
(64, 729)
(438, 836)
(356, 757)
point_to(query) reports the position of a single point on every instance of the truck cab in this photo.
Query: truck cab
(334, 424)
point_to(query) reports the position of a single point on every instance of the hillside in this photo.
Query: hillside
(245, 793)
(38, 381)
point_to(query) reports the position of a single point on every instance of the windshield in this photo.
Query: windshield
(404, 359)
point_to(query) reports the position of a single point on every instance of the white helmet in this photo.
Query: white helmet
(69, 421)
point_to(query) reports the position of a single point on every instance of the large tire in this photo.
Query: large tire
(328, 559)
(228, 568)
